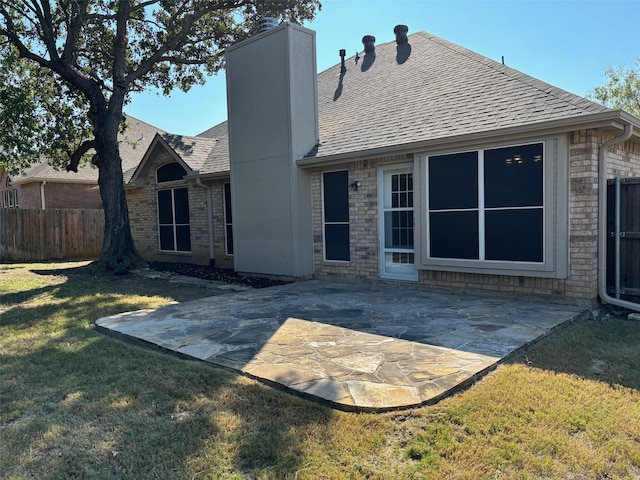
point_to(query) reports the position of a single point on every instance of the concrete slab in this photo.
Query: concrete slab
(361, 346)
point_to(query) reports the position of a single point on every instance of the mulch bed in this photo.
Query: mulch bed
(216, 274)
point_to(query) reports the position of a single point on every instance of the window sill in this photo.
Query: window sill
(514, 269)
(170, 252)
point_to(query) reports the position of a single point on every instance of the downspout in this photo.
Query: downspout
(602, 222)
(43, 203)
(209, 218)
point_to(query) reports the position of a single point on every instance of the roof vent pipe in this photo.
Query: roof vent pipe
(369, 42)
(343, 53)
(267, 23)
(401, 34)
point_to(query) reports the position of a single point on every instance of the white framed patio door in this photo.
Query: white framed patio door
(397, 224)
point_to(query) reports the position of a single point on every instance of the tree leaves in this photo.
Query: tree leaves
(622, 90)
(61, 61)
(69, 67)
(39, 117)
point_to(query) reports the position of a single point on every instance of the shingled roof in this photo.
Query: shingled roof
(196, 152)
(430, 89)
(403, 95)
(426, 90)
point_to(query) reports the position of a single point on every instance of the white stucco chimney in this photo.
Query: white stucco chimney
(272, 104)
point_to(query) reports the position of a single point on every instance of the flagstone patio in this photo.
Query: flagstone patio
(355, 346)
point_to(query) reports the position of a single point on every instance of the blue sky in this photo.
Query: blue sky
(568, 44)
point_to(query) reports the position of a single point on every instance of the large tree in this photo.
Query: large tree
(622, 89)
(69, 67)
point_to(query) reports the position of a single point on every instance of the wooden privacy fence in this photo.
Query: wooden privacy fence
(624, 281)
(33, 235)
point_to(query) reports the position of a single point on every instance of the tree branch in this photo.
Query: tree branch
(177, 41)
(47, 35)
(76, 156)
(74, 28)
(143, 5)
(180, 60)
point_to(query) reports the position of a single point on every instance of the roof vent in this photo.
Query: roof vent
(401, 34)
(369, 42)
(267, 23)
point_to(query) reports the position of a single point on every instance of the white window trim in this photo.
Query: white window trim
(555, 217)
(10, 198)
(324, 240)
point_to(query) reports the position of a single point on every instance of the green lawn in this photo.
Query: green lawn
(75, 403)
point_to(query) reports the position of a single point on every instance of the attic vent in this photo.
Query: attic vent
(267, 23)
(369, 42)
(401, 34)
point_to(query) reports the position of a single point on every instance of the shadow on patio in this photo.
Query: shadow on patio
(360, 346)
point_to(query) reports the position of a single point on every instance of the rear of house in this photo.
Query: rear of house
(416, 161)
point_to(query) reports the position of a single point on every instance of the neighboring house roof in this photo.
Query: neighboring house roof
(133, 144)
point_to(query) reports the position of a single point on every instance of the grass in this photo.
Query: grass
(77, 404)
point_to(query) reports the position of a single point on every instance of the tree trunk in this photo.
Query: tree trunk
(119, 253)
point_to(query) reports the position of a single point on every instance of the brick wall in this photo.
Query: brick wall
(217, 194)
(29, 195)
(143, 215)
(72, 195)
(580, 287)
(363, 220)
(57, 195)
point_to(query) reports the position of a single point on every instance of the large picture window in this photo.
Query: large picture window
(336, 215)
(487, 205)
(174, 231)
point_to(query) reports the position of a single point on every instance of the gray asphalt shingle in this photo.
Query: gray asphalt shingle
(441, 90)
(431, 89)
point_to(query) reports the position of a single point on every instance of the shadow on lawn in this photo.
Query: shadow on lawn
(85, 405)
(121, 412)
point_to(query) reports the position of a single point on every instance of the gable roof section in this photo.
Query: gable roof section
(192, 152)
(429, 90)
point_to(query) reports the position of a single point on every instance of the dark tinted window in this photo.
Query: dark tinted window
(227, 203)
(165, 207)
(336, 215)
(453, 181)
(336, 197)
(513, 176)
(336, 239)
(170, 172)
(166, 237)
(454, 235)
(228, 218)
(181, 197)
(173, 220)
(183, 238)
(515, 235)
